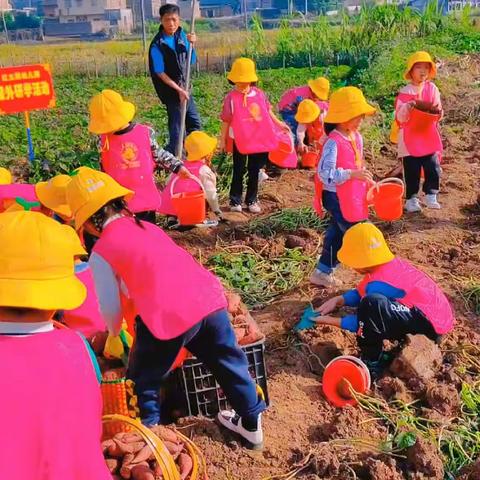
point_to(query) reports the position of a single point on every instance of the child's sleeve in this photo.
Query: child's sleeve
(301, 131)
(352, 298)
(327, 167)
(208, 180)
(227, 114)
(350, 323)
(108, 292)
(383, 288)
(161, 156)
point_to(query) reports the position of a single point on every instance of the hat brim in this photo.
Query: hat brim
(43, 195)
(358, 262)
(306, 119)
(91, 207)
(98, 126)
(242, 79)
(210, 146)
(320, 93)
(431, 75)
(344, 116)
(58, 294)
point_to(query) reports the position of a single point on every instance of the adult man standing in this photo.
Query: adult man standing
(168, 56)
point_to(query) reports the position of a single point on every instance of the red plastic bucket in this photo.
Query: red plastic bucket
(189, 206)
(341, 376)
(310, 158)
(282, 155)
(387, 199)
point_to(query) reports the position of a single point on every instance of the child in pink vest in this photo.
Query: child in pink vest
(178, 303)
(200, 148)
(129, 152)
(249, 126)
(310, 131)
(51, 401)
(341, 179)
(316, 90)
(419, 149)
(393, 299)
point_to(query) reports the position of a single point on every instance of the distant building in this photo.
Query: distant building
(87, 17)
(219, 8)
(185, 7)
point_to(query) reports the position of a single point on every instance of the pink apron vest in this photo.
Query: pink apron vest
(14, 190)
(252, 125)
(87, 318)
(352, 194)
(181, 186)
(51, 409)
(128, 159)
(427, 140)
(171, 291)
(421, 292)
(289, 98)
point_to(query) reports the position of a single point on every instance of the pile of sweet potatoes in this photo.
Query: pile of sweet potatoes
(246, 329)
(129, 457)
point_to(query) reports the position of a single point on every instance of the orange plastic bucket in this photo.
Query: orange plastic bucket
(387, 199)
(309, 159)
(189, 206)
(281, 156)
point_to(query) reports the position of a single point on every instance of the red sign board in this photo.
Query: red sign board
(26, 87)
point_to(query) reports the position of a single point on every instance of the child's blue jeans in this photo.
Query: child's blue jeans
(213, 341)
(334, 233)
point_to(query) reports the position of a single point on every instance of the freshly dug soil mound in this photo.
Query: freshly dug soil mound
(444, 399)
(424, 460)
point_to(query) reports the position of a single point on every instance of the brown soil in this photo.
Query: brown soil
(302, 431)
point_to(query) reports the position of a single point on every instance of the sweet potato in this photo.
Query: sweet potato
(116, 449)
(157, 471)
(142, 455)
(126, 470)
(165, 434)
(239, 333)
(234, 301)
(185, 465)
(142, 472)
(127, 459)
(173, 448)
(106, 444)
(112, 464)
(131, 437)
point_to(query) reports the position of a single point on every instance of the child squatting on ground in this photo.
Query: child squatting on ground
(393, 299)
(248, 129)
(178, 303)
(51, 401)
(419, 149)
(129, 152)
(200, 148)
(310, 130)
(341, 180)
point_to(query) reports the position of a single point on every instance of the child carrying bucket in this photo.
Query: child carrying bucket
(129, 151)
(249, 127)
(310, 132)
(178, 303)
(341, 180)
(418, 110)
(316, 90)
(393, 299)
(51, 401)
(200, 148)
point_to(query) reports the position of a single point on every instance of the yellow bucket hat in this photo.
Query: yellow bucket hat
(5, 176)
(243, 71)
(89, 190)
(418, 57)
(37, 263)
(320, 87)
(364, 246)
(53, 194)
(109, 112)
(308, 111)
(199, 145)
(347, 103)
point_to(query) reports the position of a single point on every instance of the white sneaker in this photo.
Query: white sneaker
(235, 208)
(321, 279)
(432, 202)
(413, 205)
(254, 208)
(229, 419)
(262, 176)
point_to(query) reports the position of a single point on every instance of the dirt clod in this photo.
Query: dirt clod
(423, 458)
(383, 470)
(419, 358)
(394, 388)
(444, 398)
(293, 241)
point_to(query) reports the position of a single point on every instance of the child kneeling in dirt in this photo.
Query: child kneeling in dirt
(420, 148)
(200, 148)
(178, 303)
(51, 401)
(310, 131)
(129, 152)
(393, 299)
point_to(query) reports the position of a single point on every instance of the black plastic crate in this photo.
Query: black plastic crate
(197, 392)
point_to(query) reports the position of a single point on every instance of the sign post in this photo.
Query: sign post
(25, 88)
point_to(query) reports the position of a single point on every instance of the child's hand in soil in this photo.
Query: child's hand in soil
(330, 305)
(328, 320)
